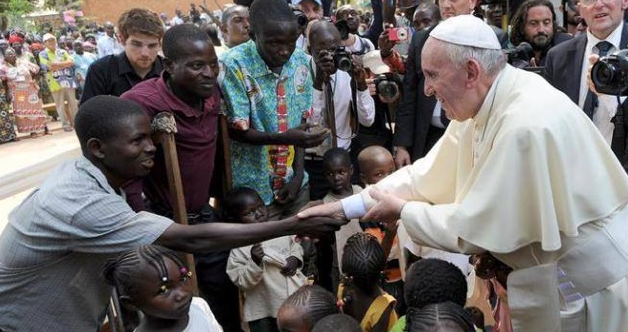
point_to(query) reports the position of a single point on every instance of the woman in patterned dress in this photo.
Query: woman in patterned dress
(7, 132)
(27, 107)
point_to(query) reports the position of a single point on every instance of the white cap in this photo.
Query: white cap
(373, 61)
(466, 30)
(48, 36)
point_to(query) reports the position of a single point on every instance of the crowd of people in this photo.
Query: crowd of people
(416, 168)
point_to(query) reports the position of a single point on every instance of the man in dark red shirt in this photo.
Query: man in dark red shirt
(187, 88)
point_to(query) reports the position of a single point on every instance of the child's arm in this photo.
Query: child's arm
(294, 261)
(242, 270)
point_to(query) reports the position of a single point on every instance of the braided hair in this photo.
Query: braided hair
(432, 280)
(430, 317)
(363, 262)
(315, 301)
(122, 272)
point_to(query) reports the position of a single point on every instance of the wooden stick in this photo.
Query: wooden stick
(165, 125)
(224, 134)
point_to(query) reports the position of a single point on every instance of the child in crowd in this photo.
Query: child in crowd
(338, 170)
(305, 308)
(363, 264)
(430, 281)
(337, 323)
(266, 273)
(376, 163)
(445, 317)
(155, 281)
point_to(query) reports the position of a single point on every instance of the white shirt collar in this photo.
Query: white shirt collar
(614, 38)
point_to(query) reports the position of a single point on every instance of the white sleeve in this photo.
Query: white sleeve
(241, 269)
(366, 108)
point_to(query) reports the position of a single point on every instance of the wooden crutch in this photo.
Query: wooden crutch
(165, 127)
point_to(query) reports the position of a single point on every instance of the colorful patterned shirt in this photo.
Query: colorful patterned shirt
(57, 79)
(256, 98)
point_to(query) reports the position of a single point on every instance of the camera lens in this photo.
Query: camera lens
(603, 74)
(387, 89)
(344, 64)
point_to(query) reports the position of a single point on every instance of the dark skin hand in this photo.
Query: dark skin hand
(211, 237)
(359, 74)
(289, 191)
(305, 136)
(291, 267)
(257, 253)
(385, 45)
(488, 267)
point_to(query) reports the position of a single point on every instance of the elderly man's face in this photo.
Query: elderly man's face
(451, 8)
(539, 27)
(444, 80)
(311, 9)
(602, 16)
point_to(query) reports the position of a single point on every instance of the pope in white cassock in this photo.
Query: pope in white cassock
(522, 173)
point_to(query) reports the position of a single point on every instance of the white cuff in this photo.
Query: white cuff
(353, 207)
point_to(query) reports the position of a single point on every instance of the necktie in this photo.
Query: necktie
(591, 102)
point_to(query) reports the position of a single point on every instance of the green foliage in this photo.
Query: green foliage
(20, 7)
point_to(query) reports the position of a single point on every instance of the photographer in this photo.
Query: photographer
(566, 70)
(348, 22)
(351, 101)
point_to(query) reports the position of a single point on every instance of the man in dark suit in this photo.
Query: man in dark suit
(420, 121)
(535, 23)
(566, 67)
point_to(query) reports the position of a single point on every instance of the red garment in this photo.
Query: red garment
(195, 140)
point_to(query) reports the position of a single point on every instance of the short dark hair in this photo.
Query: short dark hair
(264, 11)
(518, 21)
(363, 262)
(140, 20)
(433, 315)
(101, 117)
(232, 203)
(318, 27)
(315, 301)
(432, 280)
(339, 154)
(337, 323)
(176, 36)
(228, 12)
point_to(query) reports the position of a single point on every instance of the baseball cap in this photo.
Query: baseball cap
(49, 36)
(297, 2)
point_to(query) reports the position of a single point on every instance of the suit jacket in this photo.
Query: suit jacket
(415, 110)
(563, 67)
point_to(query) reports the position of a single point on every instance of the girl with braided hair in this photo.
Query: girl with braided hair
(439, 317)
(154, 280)
(363, 263)
(305, 307)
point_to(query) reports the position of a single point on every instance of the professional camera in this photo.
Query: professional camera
(343, 28)
(301, 18)
(342, 59)
(519, 57)
(398, 34)
(387, 85)
(610, 74)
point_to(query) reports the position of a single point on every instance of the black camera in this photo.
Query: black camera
(342, 59)
(301, 18)
(343, 28)
(519, 57)
(610, 74)
(387, 86)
